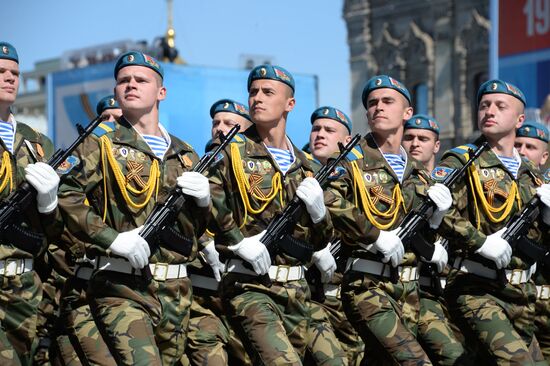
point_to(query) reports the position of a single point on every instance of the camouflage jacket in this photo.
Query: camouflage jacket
(379, 179)
(88, 178)
(460, 225)
(228, 225)
(32, 220)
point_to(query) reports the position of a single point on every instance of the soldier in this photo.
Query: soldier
(381, 182)
(329, 127)
(495, 311)
(435, 331)
(531, 142)
(110, 186)
(24, 152)
(252, 181)
(211, 337)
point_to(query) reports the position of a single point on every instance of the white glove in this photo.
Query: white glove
(443, 199)
(253, 251)
(544, 193)
(45, 180)
(132, 247)
(496, 249)
(195, 185)
(213, 259)
(440, 256)
(311, 193)
(325, 262)
(391, 247)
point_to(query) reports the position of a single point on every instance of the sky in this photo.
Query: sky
(303, 36)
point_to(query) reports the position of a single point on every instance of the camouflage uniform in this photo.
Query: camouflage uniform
(499, 318)
(21, 293)
(142, 323)
(384, 313)
(274, 319)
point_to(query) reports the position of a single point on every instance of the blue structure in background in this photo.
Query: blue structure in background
(191, 90)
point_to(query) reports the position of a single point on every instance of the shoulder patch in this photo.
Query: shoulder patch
(68, 165)
(104, 128)
(355, 153)
(217, 158)
(440, 173)
(337, 173)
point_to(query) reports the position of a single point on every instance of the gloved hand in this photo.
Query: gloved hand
(311, 193)
(440, 256)
(325, 262)
(391, 247)
(253, 251)
(544, 193)
(132, 247)
(45, 180)
(496, 249)
(195, 185)
(443, 199)
(213, 259)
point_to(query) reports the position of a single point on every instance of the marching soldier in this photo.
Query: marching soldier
(330, 126)
(211, 337)
(380, 183)
(494, 310)
(532, 141)
(252, 182)
(435, 330)
(109, 188)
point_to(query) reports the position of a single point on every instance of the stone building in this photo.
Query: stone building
(438, 48)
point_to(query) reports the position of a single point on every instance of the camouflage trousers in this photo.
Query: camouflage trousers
(542, 326)
(273, 321)
(20, 297)
(437, 334)
(386, 317)
(323, 344)
(141, 323)
(211, 340)
(500, 320)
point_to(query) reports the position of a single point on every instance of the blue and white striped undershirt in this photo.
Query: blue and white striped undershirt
(397, 163)
(283, 158)
(7, 132)
(158, 145)
(512, 164)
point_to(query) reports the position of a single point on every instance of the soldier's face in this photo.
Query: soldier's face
(386, 110)
(533, 149)
(9, 81)
(224, 121)
(325, 135)
(269, 101)
(111, 115)
(499, 115)
(138, 89)
(421, 144)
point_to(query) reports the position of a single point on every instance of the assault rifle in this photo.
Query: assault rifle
(278, 230)
(12, 208)
(417, 219)
(158, 223)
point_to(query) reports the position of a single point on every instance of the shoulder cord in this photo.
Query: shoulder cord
(6, 171)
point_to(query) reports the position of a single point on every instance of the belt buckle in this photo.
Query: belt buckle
(161, 271)
(406, 273)
(545, 292)
(284, 270)
(10, 267)
(515, 277)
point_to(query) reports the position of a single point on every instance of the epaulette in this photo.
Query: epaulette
(104, 128)
(355, 153)
(463, 149)
(240, 138)
(309, 156)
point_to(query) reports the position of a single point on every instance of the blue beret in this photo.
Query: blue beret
(8, 52)
(501, 87)
(424, 122)
(332, 113)
(534, 130)
(384, 81)
(108, 102)
(270, 72)
(134, 58)
(228, 105)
